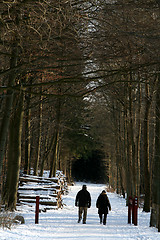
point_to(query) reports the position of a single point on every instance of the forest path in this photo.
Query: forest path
(62, 224)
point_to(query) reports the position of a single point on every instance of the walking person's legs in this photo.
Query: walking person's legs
(104, 218)
(84, 214)
(80, 213)
(100, 216)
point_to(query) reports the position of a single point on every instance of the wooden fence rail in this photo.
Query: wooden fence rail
(48, 189)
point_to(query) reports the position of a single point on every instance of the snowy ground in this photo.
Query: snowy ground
(62, 224)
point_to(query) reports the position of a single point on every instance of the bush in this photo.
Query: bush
(6, 220)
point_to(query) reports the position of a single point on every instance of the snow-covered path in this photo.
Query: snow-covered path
(62, 223)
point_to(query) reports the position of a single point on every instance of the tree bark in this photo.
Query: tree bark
(56, 140)
(130, 142)
(131, 135)
(146, 207)
(53, 166)
(46, 155)
(27, 134)
(14, 154)
(8, 106)
(138, 138)
(38, 146)
(155, 213)
(126, 157)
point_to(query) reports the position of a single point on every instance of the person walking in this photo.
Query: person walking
(83, 201)
(103, 204)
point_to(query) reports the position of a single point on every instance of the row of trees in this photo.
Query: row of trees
(38, 48)
(78, 76)
(132, 57)
(130, 87)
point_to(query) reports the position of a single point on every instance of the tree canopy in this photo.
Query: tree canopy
(79, 86)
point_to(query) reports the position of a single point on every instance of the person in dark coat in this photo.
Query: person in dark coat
(83, 201)
(103, 204)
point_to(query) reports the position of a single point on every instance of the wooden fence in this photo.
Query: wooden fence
(50, 191)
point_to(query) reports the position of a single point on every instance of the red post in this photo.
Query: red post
(135, 210)
(37, 210)
(130, 202)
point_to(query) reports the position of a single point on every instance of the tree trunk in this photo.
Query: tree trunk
(56, 140)
(120, 188)
(8, 107)
(155, 213)
(146, 207)
(27, 134)
(138, 138)
(46, 155)
(131, 136)
(129, 145)
(53, 166)
(37, 154)
(14, 154)
(126, 157)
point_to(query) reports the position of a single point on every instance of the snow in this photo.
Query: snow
(62, 224)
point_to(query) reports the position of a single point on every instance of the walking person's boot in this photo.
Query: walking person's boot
(100, 217)
(79, 220)
(104, 219)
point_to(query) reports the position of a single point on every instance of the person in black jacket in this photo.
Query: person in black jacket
(83, 201)
(103, 204)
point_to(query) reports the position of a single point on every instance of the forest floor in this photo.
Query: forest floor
(62, 223)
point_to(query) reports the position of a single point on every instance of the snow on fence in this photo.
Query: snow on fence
(48, 189)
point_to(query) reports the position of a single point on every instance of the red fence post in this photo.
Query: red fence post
(37, 210)
(130, 202)
(135, 210)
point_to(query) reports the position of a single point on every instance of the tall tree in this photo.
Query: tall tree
(147, 176)
(8, 104)
(155, 213)
(14, 153)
